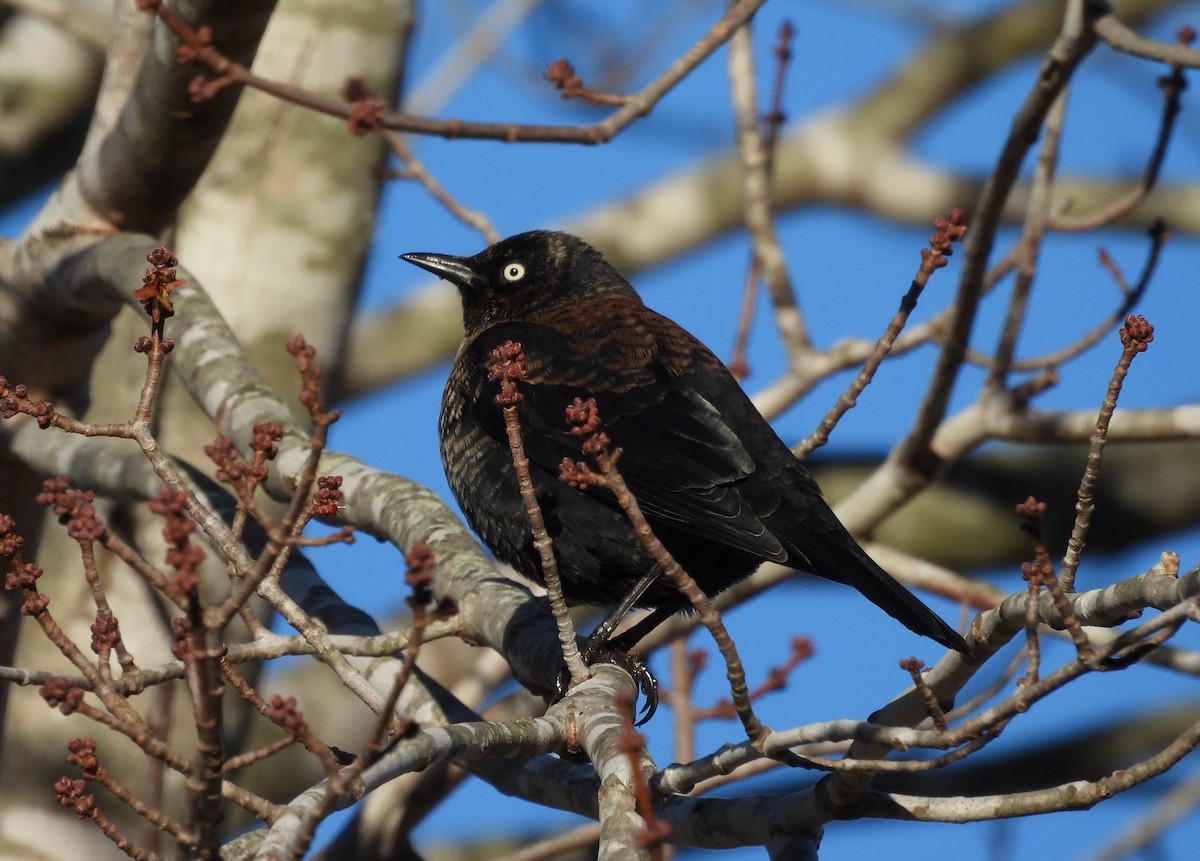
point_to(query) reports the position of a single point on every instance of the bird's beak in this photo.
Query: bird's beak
(457, 270)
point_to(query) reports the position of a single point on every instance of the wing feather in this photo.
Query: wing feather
(685, 464)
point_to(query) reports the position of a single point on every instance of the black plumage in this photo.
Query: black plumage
(720, 489)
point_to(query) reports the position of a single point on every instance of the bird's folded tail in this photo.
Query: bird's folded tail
(852, 566)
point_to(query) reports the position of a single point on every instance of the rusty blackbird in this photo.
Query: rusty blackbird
(722, 492)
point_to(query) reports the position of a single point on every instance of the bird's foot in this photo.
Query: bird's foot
(604, 653)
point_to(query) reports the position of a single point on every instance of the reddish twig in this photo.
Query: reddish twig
(1136, 335)
(388, 727)
(631, 743)
(685, 665)
(563, 76)
(83, 754)
(305, 502)
(914, 454)
(1066, 611)
(416, 170)
(200, 649)
(584, 418)
(196, 47)
(60, 694)
(775, 680)
(932, 707)
(1030, 514)
(74, 510)
(941, 245)
(73, 794)
(508, 369)
(282, 712)
(367, 117)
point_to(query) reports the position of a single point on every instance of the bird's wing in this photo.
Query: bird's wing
(680, 457)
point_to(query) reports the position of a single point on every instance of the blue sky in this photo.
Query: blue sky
(841, 51)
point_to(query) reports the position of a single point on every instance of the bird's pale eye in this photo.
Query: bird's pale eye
(513, 272)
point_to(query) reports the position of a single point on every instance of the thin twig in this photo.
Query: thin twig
(1136, 335)
(1029, 245)
(637, 105)
(1073, 44)
(852, 352)
(932, 707)
(756, 149)
(632, 743)
(947, 232)
(586, 419)
(1148, 828)
(557, 845)
(563, 76)
(1172, 86)
(1159, 235)
(1031, 514)
(684, 666)
(775, 680)
(1120, 38)
(508, 368)
(415, 169)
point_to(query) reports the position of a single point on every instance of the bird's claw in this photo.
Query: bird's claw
(562, 684)
(601, 654)
(647, 684)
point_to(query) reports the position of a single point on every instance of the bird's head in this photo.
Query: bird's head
(524, 275)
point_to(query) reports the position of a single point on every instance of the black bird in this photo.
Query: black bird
(722, 492)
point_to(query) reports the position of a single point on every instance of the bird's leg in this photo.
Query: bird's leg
(599, 647)
(628, 639)
(598, 640)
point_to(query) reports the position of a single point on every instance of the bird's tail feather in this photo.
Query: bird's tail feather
(852, 566)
